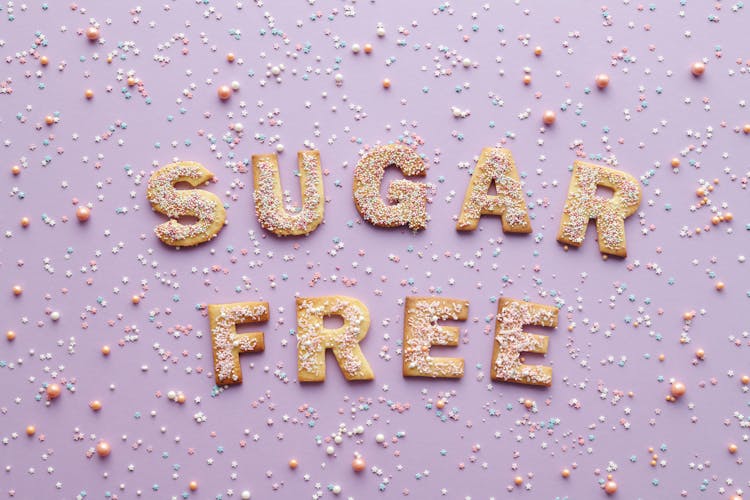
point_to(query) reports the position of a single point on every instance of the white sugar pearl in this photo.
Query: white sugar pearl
(245, 495)
(339, 78)
(356, 48)
(380, 438)
(330, 450)
(279, 148)
(338, 439)
(238, 127)
(380, 31)
(171, 395)
(55, 315)
(275, 71)
(336, 489)
(235, 85)
(466, 62)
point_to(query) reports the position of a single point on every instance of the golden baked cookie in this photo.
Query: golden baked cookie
(582, 205)
(174, 203)
(422, 331)
(269, 197)
(313, 338)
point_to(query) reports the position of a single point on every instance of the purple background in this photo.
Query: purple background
(639, 124)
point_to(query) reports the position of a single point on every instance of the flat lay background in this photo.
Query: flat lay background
(623, 336)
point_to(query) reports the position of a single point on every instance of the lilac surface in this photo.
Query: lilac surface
(616, 317)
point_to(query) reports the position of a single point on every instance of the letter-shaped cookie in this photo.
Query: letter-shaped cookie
(268, 195)
(313, 338)
(227, 343)
(582, 204)
(175, 203)
(496, 166)
(422, 331)
(408, 199)
(511, 341)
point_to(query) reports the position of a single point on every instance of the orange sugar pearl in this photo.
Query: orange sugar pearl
(610, 487)
(30, 430)
(527, 79)
(106, 350)
(746, 128)
(440, 404)
(293, 463)
(15, 169)
(44, 60)
(103, 449)
(728, 216)
(678, 389)
(53, 391)
(700, 354)
(698, 68)
(95, 405)
(135, 299)
(537, 51)
(17, 290)
(518, 480)
(745, 379)
(732, 448)
(224, 92)
(368, 48)
(602, 80)
(549, 117)
(528, 403)
(193, 485)
(131, 81)
(386, 83)
(565, 473)
(49, 119)
(675, 162)
(92, 33)
(230, 57)
(10, 335)
(359, 464)
(83, 213)
(662, 357)
(89, 94)
(720, 286)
